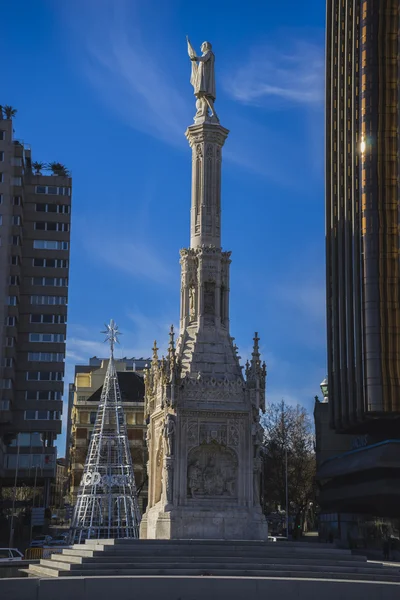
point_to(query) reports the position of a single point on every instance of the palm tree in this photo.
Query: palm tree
(58, 169)
(9, 111)
(38, 166)
(1, 112)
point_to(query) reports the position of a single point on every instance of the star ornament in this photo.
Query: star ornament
(112, 333)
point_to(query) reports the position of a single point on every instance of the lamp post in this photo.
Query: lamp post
(324, 389)
(286, 491)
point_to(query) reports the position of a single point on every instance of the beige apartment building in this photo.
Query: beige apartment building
(84, 397)
(35, 214)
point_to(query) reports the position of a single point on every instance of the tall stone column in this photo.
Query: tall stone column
(206, 141)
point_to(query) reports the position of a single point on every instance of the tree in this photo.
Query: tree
(288, 429)
(9, 111)
(38, 166)
(58, 169)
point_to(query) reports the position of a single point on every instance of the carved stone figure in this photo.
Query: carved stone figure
(256, 480)
(194, 478)
(257, 432)
(203, 80)
(215, 471)
(192, 308)
(214, 484)
(169, 478)
(169, 434)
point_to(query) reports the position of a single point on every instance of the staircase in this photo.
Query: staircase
(211, 558)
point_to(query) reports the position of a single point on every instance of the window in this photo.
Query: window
(4, 405)
(49, 300)
(14, 280)
(53, 281)
(54, 263)
(15, 220)
(44, 376)
(50, 226)
(51, 189)
(12, 301)
(1, 219)
(16, 161)
(15, 260)
(9, 342)
(1, 156)
(15, 240)
(1, 198)
(50, 245)
(1, 177)
(11, 321)
(93, 418)
(7, 362)
(46, 356)
(63, 209)
(16, 181)
(17, 200)
(30, 414)
(5, 384)
(43, 395)
(47, 319)
(2, 135)
(42, 415)
(46, 337)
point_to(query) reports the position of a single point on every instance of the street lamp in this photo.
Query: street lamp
(324, 389)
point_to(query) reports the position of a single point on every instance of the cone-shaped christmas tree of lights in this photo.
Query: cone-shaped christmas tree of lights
(107, 505)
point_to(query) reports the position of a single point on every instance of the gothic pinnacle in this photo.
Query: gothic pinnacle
(155, 353)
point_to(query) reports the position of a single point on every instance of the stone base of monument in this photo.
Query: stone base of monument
(187, 523)
(208, 558)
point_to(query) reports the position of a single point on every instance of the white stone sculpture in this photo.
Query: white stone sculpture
(203, 82)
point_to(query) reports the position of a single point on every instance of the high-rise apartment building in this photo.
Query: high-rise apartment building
(84, 398)
(358, 466)
(35, 214)
(362, 212)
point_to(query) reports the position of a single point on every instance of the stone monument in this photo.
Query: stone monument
(203, 428)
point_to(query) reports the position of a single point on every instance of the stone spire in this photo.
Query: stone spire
(256, 374)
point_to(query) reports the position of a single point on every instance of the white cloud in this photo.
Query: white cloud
(139, 259)
(293, 76)
(130, 75)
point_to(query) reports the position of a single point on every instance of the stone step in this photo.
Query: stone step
(207, 566)
(232, 546)
(70, 558)
(57, 564)
(199, 551)
(38, 571)
(211, 542)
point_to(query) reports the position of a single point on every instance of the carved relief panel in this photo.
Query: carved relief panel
(212, 472)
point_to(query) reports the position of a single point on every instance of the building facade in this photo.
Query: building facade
(59, 485)
(362, 212)
(35, 214)
(359, 462)
(84, 399)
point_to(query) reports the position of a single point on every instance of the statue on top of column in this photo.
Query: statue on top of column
(203, 82)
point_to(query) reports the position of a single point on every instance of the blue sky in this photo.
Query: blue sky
(103, 87)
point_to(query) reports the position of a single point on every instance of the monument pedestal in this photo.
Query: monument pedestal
(205, 524)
